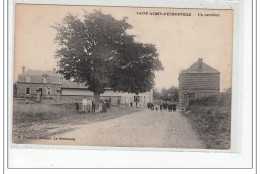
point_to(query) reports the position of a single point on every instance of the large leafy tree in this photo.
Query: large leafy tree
(98, 52)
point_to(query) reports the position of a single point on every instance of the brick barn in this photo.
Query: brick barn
(199, 80)
(52, 86)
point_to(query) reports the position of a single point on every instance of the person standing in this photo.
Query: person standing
(100, 107)
(131, 103)
(93, 105)
(104, 107)
(84, 104)
(161, 107)
(89, 105)
(77, 106)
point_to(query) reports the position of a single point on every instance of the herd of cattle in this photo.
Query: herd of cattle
(164, 106)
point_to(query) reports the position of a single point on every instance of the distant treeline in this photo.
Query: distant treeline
(170, 94)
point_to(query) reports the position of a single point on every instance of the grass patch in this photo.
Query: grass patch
(211, 118)
(37, 119)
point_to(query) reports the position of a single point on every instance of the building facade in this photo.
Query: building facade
(51, 85)
(47, 83)
(199, 80)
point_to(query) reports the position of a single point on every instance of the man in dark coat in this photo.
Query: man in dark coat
(77, 106)
(161, 107)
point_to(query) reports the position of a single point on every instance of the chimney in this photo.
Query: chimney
(200, 63)
(23, 69)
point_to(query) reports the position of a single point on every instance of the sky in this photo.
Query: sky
(180, 40)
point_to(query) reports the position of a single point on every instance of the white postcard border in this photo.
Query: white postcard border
(18, 154)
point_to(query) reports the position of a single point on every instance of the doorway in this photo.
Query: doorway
(40, 89)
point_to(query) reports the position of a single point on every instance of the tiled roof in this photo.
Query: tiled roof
(40, 73)
(53, 78)
(37, 76)
(195, 68)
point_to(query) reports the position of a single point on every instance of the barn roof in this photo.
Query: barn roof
(70, 84)
(200, 67)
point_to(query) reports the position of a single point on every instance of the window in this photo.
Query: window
(49, 91)
(61, 80)
(44, 79)
(27, 91)
(40, 89)
(28, 78)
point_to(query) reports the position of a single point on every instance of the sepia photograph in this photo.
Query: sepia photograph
(122, 76)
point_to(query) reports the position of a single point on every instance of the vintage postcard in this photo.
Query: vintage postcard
(122, 76)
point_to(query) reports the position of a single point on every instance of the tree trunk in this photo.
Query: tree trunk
(97, 98)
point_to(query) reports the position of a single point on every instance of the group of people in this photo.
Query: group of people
(131, 103)
(150, 106)
(169, 106)
(163, 106)
(89, 105)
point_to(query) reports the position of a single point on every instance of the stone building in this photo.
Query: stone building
(199, 80)
(47, 83)
(51, 85)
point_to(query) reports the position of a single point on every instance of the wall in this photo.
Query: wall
(21, 89)
(76, 92)
(195, 81)
(197, 85)
(184, 97)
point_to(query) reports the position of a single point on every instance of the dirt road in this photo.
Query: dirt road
(141, 129)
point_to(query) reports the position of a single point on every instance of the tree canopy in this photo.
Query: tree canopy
(98, 52)
(170, 94)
